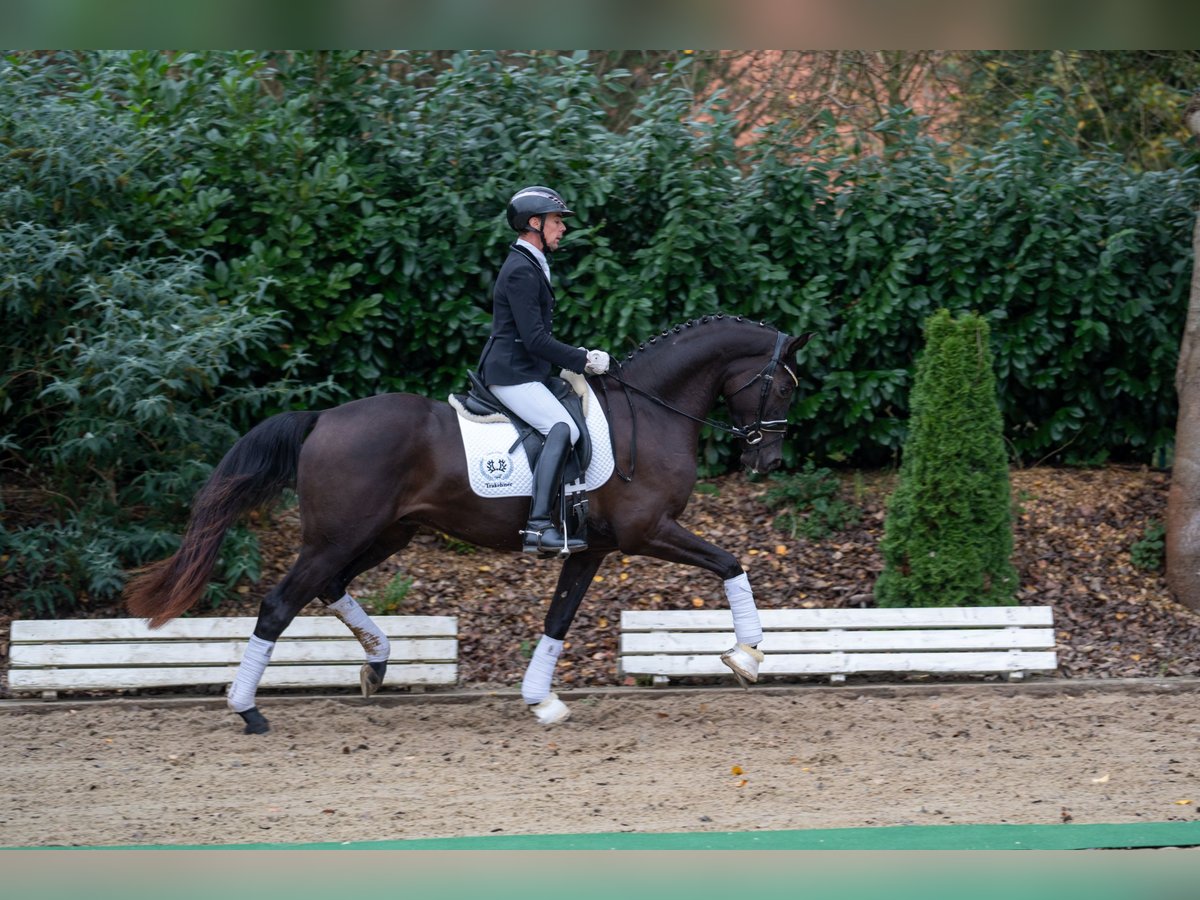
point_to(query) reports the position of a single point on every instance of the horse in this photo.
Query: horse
(370, 472)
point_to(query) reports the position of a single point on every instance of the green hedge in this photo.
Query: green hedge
(372, 201)
(121, 372)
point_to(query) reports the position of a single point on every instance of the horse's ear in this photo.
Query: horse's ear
(798, 342)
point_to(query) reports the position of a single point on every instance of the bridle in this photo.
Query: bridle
(753, 434)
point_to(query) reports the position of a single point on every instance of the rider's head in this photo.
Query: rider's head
(538, 212)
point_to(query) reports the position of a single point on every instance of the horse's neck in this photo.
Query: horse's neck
(687, 372)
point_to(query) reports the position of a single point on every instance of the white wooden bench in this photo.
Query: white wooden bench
(48, 656)
(1010, 640)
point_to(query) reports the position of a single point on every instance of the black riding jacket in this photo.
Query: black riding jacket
(522, 347)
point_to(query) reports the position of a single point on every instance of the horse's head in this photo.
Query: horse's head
(759, 392)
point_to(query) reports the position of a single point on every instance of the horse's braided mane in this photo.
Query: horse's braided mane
(692, 323)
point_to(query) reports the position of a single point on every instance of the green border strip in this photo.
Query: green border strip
(900, 837)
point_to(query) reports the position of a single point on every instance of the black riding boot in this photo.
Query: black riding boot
(541, 534)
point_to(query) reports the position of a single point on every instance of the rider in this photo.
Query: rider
(521, 351)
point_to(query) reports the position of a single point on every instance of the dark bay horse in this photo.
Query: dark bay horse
(371, 472)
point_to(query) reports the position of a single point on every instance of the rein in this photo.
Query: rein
(752, 434)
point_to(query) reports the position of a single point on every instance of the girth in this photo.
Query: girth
(480, 401)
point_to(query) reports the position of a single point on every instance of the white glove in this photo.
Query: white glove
(597, 362)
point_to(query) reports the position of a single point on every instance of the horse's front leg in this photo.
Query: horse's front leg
(674, 543)
(744, 657)
(573, 582)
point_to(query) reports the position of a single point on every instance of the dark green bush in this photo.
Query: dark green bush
(136, 413)
(948, 534)
(121, 374)
(369, 193)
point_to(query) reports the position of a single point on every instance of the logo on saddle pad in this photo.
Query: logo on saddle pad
(497, 471)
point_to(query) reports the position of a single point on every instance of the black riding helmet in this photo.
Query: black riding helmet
(534, 201)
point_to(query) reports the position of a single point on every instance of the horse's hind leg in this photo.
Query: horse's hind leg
(573, 582)
(375, 643)
(308, 575)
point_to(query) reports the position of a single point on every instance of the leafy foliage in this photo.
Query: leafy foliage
(1150, 552)
(1074, 261)
(948, 533)
(389, 600)
(362, 198)
(117, 365)
(1123, 100)
(811, 503)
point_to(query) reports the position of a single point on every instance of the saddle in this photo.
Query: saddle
(479, 401)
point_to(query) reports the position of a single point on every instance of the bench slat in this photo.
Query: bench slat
(315, 651)
(848, 663)
(839, 642)
(217, 628)
(775, 642)
(131, 655)
(798, 619)
(274, 677)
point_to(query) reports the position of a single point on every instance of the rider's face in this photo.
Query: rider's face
(553, 229)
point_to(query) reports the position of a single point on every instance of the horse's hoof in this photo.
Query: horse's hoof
(743, 660)
(550, 711)
(256, 722)
(370, 677)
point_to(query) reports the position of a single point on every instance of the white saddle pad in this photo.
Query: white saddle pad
(494, 472)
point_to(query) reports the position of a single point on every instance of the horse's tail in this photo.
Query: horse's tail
(254, 472)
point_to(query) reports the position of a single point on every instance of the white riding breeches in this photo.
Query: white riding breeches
(534, 403)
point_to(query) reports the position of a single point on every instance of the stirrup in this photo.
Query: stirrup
(532, 542)
(743, 660)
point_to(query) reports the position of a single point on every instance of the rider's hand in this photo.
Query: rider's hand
(597, 362)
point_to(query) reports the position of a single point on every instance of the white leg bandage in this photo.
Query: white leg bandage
(535, 687)
(746, 624)
(249, 674)
(374, 641)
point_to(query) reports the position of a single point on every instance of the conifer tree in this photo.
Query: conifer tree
(948, 534)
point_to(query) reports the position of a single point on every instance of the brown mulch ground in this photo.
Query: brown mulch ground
(1073, 534)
